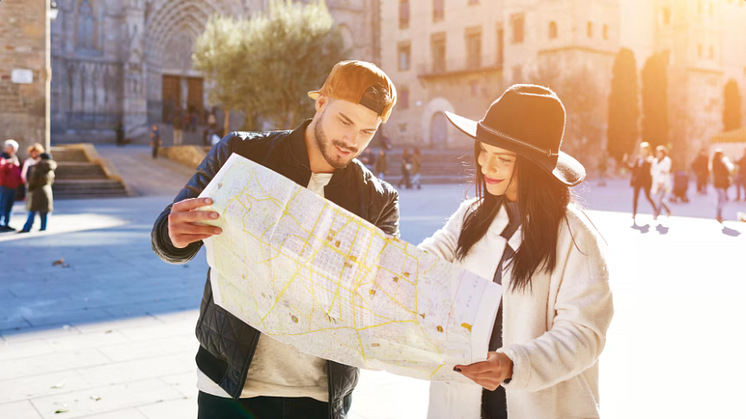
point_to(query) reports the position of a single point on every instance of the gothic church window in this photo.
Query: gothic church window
(86, 26)
(590, 29)
(438, 10)
(517, 21)
(404, 14)
(606, 31)
(552, 30)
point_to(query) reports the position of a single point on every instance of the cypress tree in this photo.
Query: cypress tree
(655, 123)
(624, 106)
(732, 106)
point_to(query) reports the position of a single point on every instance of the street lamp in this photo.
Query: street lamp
(53, 10)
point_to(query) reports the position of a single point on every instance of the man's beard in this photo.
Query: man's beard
(327, 148)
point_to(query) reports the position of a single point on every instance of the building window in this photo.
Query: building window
(712, 52)
(438, 10)
(474, 48)
(438, 51)
(500, 47)
(606, 31)
(699, 7)
(517, 22)
(473, 2)
(590, 30)
(86, 26)
(699, 50)
(666, 16)
(403, 99)
(552, 30)
(403, 14)
(712, 9)
(404, 56)
(402, 128)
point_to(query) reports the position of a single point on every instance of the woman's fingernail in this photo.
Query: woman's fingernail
(208, 201)
(218, 231)
(214, 215)
(457, 369)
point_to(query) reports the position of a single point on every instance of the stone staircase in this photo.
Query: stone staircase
(438, 166)
(82, 174)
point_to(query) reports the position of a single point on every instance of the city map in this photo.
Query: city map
(309, 273)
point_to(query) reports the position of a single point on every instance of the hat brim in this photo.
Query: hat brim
(567, 170)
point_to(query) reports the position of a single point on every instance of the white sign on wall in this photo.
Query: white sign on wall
(22, 76)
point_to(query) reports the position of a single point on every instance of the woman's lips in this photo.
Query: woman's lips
(492, 181)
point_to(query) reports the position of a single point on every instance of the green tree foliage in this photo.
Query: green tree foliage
(732, 107)
(655, 125)
(624, 106)
(264, 66)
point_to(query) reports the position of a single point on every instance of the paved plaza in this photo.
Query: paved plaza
(94, 325)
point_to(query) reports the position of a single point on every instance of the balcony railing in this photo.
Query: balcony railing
(439, 68)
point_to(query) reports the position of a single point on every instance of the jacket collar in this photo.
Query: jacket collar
(298, 149)
(498, 225)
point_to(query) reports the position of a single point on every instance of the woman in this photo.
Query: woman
(524, 231)
(417, 169)
(33, 157)
(40, 199)
(641, 176)
(721, 171)
(661, 173)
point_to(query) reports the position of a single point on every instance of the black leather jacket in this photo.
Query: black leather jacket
(227, 344)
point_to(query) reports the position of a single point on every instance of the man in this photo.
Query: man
(368, 159)
(241, 373)
(701, 169)
(155, 140)
(741, 177)
(10, 180)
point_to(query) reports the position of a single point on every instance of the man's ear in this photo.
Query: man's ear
(321, 103)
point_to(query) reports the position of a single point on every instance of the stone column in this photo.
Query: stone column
(135, 110)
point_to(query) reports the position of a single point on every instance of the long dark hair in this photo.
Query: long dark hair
(542, 205)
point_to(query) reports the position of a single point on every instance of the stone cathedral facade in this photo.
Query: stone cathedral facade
(129, 61)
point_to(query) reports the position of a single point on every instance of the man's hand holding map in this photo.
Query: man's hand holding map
(306, 272)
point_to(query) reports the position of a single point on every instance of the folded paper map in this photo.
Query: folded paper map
(311, 274)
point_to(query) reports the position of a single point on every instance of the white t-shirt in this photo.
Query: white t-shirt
(278, 369)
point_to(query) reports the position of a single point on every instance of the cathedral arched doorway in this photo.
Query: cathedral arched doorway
(439, 130)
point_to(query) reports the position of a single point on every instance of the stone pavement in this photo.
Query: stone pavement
(109, 332)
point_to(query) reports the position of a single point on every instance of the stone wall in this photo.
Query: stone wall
(23, 46)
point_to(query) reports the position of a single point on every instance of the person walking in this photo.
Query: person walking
(642, 178)
(406, 170)
(178, 123)
(155, 140)
(381, 164)
(416, 169)
(722, 169)
(525, 231)
(701, 169)
(10, 180)
(243, 374)
(603, 167)
(661, 173)
(34, 153)
(40, 197)
(740, 180)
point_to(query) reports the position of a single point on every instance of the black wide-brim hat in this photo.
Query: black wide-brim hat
(528, 120)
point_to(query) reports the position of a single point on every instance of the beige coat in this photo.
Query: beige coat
(554, 334)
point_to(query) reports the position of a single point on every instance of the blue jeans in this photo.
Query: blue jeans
(720, 201)
(30, 221)
(7, 197)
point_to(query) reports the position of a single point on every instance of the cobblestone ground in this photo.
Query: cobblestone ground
(108, 332)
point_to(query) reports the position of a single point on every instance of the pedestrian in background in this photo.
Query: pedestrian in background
(642, 178)
(368, 159)
(722, 169)
(381, 164)
(34, 153)
(416, 169)
(406, 170)
(155, 140)
(701, 169)
(10, 180)
(741, 177)
(603, 166)
(661, 172)
(178, 123)
(40, 198)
